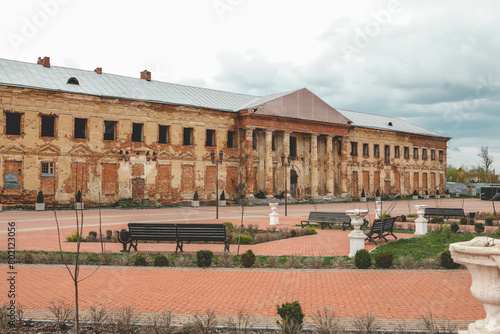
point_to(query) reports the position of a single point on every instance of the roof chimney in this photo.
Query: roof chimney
(98, 70)
(146, 75)
(45, 61)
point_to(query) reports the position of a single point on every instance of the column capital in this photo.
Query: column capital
(269, 131)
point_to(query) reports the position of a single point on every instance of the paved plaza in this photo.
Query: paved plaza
(391, 295)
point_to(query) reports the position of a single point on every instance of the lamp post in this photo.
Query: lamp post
(285, 164)
(216, 162)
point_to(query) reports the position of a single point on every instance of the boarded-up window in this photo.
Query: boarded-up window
(187, 179)
(163, 181)
(109, 179)
(79, 175)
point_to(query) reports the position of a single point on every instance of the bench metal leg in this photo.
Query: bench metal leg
(179, 246)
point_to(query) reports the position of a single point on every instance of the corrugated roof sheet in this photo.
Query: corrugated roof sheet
(385, 123)
(31, 75)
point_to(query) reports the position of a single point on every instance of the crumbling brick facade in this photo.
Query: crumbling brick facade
(115, 148)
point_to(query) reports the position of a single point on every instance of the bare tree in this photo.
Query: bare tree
(243, 202)
(486, 158)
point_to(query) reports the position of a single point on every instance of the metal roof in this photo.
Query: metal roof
(55, 78)
(385, 123)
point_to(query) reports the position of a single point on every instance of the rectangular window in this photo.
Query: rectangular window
(354, 149)
(48, 126)
(366, 151)
(11, 181)
(424, 154)
(254, 140)
(407, 152)
(415, 153)
(433, 154)
(293, 147)
(441, 155)
(231, 139)
(273, 143)
(387, 154)
(339, 148)
(396, 151)
(12, 124)
(137, 132)
(80, 128)
(210, 138)
(376, 151)
(48, 169)
(109, 130)
(163, 134)
(188, 136)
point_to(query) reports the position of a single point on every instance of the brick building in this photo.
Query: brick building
(64, 130)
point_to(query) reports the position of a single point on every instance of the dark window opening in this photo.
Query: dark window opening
(48, 126)
(433, 154)
(12, 123)
(387, 154)
(396, 151)
(137, 134)
(273, 143)
(163, 134)
(109, 130)
(424, 154)
(293, 147)
(339, 148)
(366, 151)
(376, 151)
(354, 149)
(80, 128)
(441, 156)
(407, 152)
(48, 169)
(210, 138)
(415, 153)
(73, 81)
(188, 136)
(231, 139)
(254, 140)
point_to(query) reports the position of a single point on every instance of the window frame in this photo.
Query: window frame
(366, 150)
(188, 133)
(42, 117)
(231, 139)
(396, 152)
(406, 152)
(441, 155)
(163, 138)
(376, 150)
(135, 136)
(415, 153)
(424, 153)
(85, 123)
(19, 126)
(210, 138)
(293, 146)
(49, 166)
(115, 125)
(433, 154)
(354, 148)
(387, 154)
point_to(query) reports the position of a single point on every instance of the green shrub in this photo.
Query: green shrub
(161, 260)
(447, 232)
(204, 258)
(229, 227)
(383, 259)
(260, 195)
(463, 221)
(363, 193)
(377, 193)
(222, 196)
(479, 228)
(290, 313)
(109, 234)
(39, 197)
(243, 239)
(195, 196)
(385, 215)
(293, 233)
(309, 231)
(247, 259)
(73, 237)
(488, 221)
(454, 227)
(403, 218)
(415, 193)
(140, 260)
(446, 261)
(78, 197)
(496, 235)
(472, 222)
(362, 259)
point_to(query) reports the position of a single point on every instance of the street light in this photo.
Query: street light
(217, 162)
(285, 164)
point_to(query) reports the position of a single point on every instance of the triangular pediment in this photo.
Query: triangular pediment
(79, 151)
(232, 158)
(188, 156)
(49, 150)
(365, 164)
(165, 156)
(12, 149)
(110, 153)
(300, 104)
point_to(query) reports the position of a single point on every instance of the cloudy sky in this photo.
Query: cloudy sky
(433, 63)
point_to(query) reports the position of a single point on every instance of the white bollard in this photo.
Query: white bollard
(274, 217)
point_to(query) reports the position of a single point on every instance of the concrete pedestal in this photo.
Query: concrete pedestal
(274, 216)
(421, 222)
(357, 237)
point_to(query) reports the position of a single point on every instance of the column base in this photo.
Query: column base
(357, 242)
(274, 218)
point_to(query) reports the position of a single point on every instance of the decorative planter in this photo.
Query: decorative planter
(426, 196)
(222, 202)
(457, 195)
(438, 196)
(40, 206)
(378, 199)
(421, 222)
(446, 196)
(195, 203)
(362, 199)
(415, 196)
(357, 236)
(274, 215)
(79, 206)
(481, 257)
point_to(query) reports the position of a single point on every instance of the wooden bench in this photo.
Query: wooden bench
(172, 232)
(380, 229)
(445, 212)
(328, 219)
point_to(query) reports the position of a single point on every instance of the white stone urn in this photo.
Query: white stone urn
(357, 236)
(274, 216)
(420, 222)
(481, 256)
(378, 209)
